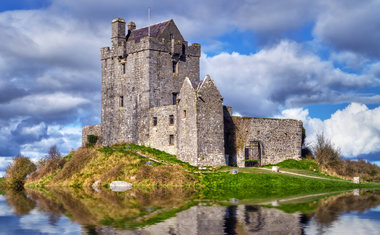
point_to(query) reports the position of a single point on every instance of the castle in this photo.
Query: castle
(152, 95)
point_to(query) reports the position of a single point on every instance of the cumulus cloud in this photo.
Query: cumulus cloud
(355, 130)
(50, 70)
(283, 76)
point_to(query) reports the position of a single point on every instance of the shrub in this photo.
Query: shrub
(91, 140)
(326, 154)
(48, 165)
(17, 172)
(328, 157)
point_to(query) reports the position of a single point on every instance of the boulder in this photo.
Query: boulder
(356, 180)
(234, 171)
(95, 186)
(275, 168)
(120, 186)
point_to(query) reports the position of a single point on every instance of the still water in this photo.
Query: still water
(182, 211)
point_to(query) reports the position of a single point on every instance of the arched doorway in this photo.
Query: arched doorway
(253, 152)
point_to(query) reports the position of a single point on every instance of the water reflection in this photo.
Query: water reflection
(179, 211)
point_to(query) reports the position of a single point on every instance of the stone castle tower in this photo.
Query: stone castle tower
(152, 95)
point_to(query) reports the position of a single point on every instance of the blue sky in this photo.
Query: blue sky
(288, 59)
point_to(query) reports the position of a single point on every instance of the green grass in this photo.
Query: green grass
(161, 156)
(217, 183)
(304, 164)
(242, 186)
(304, 167)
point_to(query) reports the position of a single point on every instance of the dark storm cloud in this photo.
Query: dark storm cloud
(351, 26)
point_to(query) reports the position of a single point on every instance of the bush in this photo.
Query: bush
(17, 172)
(325, 153)
(329, 158)
(91, 140)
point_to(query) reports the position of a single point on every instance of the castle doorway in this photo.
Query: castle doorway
(253, 154)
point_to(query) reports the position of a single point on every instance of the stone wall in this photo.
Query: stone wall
(139, 74)
(187, 131)
(210, 124)
(260, 220)
(277, 139)
(91, 130)
(159, 134)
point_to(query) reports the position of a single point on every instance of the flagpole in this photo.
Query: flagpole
(149, 21)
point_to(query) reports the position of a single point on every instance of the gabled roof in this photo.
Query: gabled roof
(155, 31)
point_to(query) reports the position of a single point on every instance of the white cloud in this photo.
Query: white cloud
(65, 137)
(36, 220)
(349, 59)
(346, 224)
(283, 76)
(354, 130)
(42, 104)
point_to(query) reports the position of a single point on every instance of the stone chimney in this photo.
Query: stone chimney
(131, 26)
(118, 31)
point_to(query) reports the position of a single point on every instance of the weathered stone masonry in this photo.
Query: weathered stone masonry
(152, 95)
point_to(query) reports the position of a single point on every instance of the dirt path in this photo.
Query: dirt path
(302, 175)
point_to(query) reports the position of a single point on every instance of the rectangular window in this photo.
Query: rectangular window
(175, 67)
(184, 113)
(174, 97)
(171, 36)
(171, 139)
(154, 121)
(123, 68)
(121, 101)
(171, 119)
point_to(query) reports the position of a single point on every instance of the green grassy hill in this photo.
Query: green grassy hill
(147, 167)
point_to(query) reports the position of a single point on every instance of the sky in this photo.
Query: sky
(315, 61)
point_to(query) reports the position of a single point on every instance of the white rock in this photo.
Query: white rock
(95, 186)
(356, 180)
(275, 168)
(120, 186)
(234, 171)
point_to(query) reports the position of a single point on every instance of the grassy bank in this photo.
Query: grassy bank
(147, 167)
(268, 185)
(120, 162)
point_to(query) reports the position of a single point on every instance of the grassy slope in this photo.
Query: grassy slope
(305, 167)
(107, 164)
(129, 163)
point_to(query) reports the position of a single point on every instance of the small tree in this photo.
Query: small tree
(326, 154)
(17, 171)
(53, 152)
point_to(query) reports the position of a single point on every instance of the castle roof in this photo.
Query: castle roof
(155, 31)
